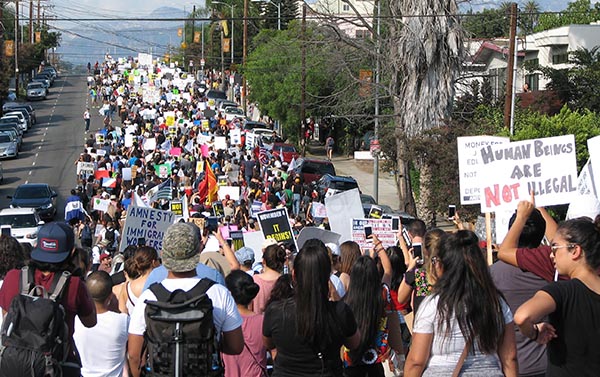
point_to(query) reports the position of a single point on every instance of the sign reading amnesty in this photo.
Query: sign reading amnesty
(276, 224)
(148, 223)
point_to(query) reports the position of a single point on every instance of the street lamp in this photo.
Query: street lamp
(232, 26)
(278, 5)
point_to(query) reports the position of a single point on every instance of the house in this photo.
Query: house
(345, 17)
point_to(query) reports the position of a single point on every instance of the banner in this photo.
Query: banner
(147, 223)
(509, 172)
(275, 224)
(85, 168)
(382, 228)
(469, 163)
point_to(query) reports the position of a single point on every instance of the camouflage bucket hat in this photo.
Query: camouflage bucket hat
(180, 248)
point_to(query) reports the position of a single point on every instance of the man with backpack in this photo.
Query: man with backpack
(41, 302)
(185, 321)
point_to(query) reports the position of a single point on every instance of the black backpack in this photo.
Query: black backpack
(180, 333)
(35, 336)
(110, 236)
(86, 234)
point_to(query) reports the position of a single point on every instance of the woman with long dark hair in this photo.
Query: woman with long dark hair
(464, 327)
(572, 306)
(370, 301)
(308, 329)
(273, 260)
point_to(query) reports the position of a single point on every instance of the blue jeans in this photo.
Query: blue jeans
(296, 202)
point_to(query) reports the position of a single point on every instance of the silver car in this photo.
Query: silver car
(8, 146)
(36, 90)
(22, 122)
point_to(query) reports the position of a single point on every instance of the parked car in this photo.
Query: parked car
(17, 118)
(25, 114)
(7, 107)
(285, 152)
(35, 195)
(233, 112)
(36, 90)
(24, 224)
(9, 147)
(223, 104)
(249, 125)
(213, 95)
(336, 183)
(14, 134)
(44, 81)
(311, 169)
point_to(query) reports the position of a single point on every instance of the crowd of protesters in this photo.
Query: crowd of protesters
(326, 309)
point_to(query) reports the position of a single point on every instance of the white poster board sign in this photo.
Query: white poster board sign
(148, 223)
(594, 150)
(126, 173)
(254, 240)
(220, 143)
(232, 191)
(469, 162)
(85, 167)
(382, 228)
(509, 172)
(585, 203)
(342, 208)
(101, 205)
(128, 140)
(250, 140)
(150, 144)
(236, 136)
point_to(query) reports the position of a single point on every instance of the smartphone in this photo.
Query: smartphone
(368, 231)
(417, 251)
(141, 241)
(395, 223)
(406, 236)
(451, 211)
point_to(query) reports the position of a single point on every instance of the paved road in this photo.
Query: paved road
(51, 147)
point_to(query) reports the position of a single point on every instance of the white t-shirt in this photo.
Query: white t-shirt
(445, 353)
(225, 313)
(339, 286)
(102, 347)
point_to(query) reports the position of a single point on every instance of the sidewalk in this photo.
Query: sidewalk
(362, 171)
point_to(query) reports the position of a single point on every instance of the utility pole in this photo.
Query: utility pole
(31, 40)
(17, 47)
(244, 52)
(303, 82)
(510, 74)
(376, 127)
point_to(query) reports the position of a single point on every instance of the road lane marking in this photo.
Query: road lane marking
(33, 164)
(30, 172)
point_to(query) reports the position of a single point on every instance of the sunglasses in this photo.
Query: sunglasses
(555, 248)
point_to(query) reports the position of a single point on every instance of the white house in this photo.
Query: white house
(345, 17)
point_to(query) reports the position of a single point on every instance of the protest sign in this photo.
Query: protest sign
(85, 168)
(469, 163)
(100, 139)
(237, 239)
(255, 208)
(218, 209)
(509, 172)
(148, 223)
(101, 205)
(150, 144)
(200, 222)
(311, 232)
(175, 151)
(126, 173)
(163, 170)
(177, 207)
(275, 224)
(254, 240)
(585, 203)
(594, 150)
(250, 140)
(236, 136)
(222, 180)
(232, 191)
(220, 143)
(226, 230)
(128, 140)
(318, 210)
(342, 208)
(382, 228)
(375, 212)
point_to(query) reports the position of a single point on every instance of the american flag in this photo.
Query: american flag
(263, 155)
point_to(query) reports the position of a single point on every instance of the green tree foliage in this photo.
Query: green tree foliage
(489, 23)
(577, 12)
(529, 17)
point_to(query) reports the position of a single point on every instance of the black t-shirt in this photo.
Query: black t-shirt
(576, 350)
(294, 356)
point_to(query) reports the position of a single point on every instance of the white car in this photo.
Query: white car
(24, 224)
(9, 147)
(233, 112)
(20, 119)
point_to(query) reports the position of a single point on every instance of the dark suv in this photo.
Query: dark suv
(311, 169)
(337, 183)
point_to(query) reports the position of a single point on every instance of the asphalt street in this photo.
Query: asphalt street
(52, 146)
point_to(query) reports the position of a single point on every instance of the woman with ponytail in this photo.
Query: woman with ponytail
(464, 327)
(137, 268)
(564, 315)
(273, 261)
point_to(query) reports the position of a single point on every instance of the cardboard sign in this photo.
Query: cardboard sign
(232, 191)
(275, 224)
(150, 144)
(469, 163)
(308, 233)
(509, 172)
(177, 207)
(101, 205)
(148, 223)
(382, 228)
(342, 208)
(85, 168)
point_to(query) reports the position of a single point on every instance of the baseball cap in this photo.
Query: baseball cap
(55, 243)
(245, 254)
(104, 256)
(268, 242)
(180, 248)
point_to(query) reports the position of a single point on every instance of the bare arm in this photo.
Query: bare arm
(89, 320)
(134, 354)
(507, 351)
(227, 252)
(507, 251)
(385, 261)
(233, 342)
(418, 355)
(529, 315)
(353, 342)
(551, 225)
(123, 299)
(404, 292)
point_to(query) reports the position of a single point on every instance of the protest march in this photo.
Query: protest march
(198, 250)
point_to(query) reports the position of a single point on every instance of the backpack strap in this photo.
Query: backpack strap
(201, 288)
(27, 279)
(162, 294)
(58, 285)
(159, 290)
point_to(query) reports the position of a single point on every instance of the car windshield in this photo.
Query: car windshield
(35, 86)
(19, 221)
(343, 185)
(287, 149)
(316, 168)
(234, 110)
(9, 120)
(31, 193)
(4, 138)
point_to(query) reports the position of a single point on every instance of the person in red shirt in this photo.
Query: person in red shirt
(50, 256)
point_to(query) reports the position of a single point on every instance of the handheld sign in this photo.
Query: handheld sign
(177, 207)
(509, 172)
(148, 223)
(382, 228)
(275, 224)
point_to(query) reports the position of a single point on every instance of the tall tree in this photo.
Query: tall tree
(577, 12)
(529, 16)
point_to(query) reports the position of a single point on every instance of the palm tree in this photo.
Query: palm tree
(426, 53)
(528, 19)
